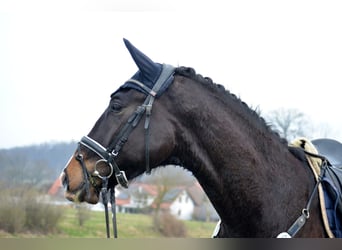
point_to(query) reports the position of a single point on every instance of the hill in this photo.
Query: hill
(35, 164)
(40, 165)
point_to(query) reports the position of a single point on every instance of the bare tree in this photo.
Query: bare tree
(20, 170)
(166, 178)
(292, 123)
(289, 123)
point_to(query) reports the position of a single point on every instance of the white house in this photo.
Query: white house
(182, 207)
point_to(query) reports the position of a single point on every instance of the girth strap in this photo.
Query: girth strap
(301, 220)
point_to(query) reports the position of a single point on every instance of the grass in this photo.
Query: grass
(137, 226)
(129, 225)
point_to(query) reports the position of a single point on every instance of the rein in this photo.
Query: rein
(109, 154)
(305, 215)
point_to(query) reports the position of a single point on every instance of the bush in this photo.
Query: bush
(21, 210)
(12, 218)
(42, 217)
(169, 226)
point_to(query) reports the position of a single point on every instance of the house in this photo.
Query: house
(136, 199)
(179, 203)
(183, 202)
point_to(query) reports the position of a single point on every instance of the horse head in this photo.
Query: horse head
(126, 140)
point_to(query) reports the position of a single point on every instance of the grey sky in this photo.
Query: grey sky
(60, 62)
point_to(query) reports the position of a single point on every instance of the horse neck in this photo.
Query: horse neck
(242, 166)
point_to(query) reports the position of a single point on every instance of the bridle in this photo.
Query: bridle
(108, 154)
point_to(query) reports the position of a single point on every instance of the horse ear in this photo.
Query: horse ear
(146, 66)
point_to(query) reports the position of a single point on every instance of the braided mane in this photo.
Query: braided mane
(191, 73)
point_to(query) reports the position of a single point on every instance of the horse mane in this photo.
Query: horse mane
(255, 113)
(191, 73)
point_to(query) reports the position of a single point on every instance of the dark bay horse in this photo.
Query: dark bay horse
(257, 184)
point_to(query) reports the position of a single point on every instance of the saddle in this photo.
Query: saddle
(331, 149)
(332, 182)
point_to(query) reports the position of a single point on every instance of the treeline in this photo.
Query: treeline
(36, 165)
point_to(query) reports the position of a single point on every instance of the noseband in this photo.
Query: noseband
(109, 154)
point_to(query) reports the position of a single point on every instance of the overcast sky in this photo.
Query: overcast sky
(59, 62)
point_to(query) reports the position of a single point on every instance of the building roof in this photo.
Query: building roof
(55, 187)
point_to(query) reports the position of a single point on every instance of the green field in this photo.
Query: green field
(129, 226)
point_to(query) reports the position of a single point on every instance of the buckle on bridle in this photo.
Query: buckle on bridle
(115, 152)
(121, 179)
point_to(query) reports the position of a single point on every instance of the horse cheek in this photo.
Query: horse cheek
(75, 175)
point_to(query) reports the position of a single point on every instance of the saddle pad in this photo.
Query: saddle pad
(332, 187)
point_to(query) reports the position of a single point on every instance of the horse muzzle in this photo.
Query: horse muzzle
(77, 188)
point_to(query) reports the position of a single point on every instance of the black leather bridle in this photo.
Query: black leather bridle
(108, 154)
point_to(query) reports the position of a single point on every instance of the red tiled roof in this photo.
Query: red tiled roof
(120, 202)
(55, 187)
(148, 188)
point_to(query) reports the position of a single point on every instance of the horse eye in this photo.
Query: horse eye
(116, 107)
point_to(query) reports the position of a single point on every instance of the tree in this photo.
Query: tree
(289, 123)
(20, 170)
(166, 178)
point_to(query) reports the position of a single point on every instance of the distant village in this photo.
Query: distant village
(183, 202)
(39, 165)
